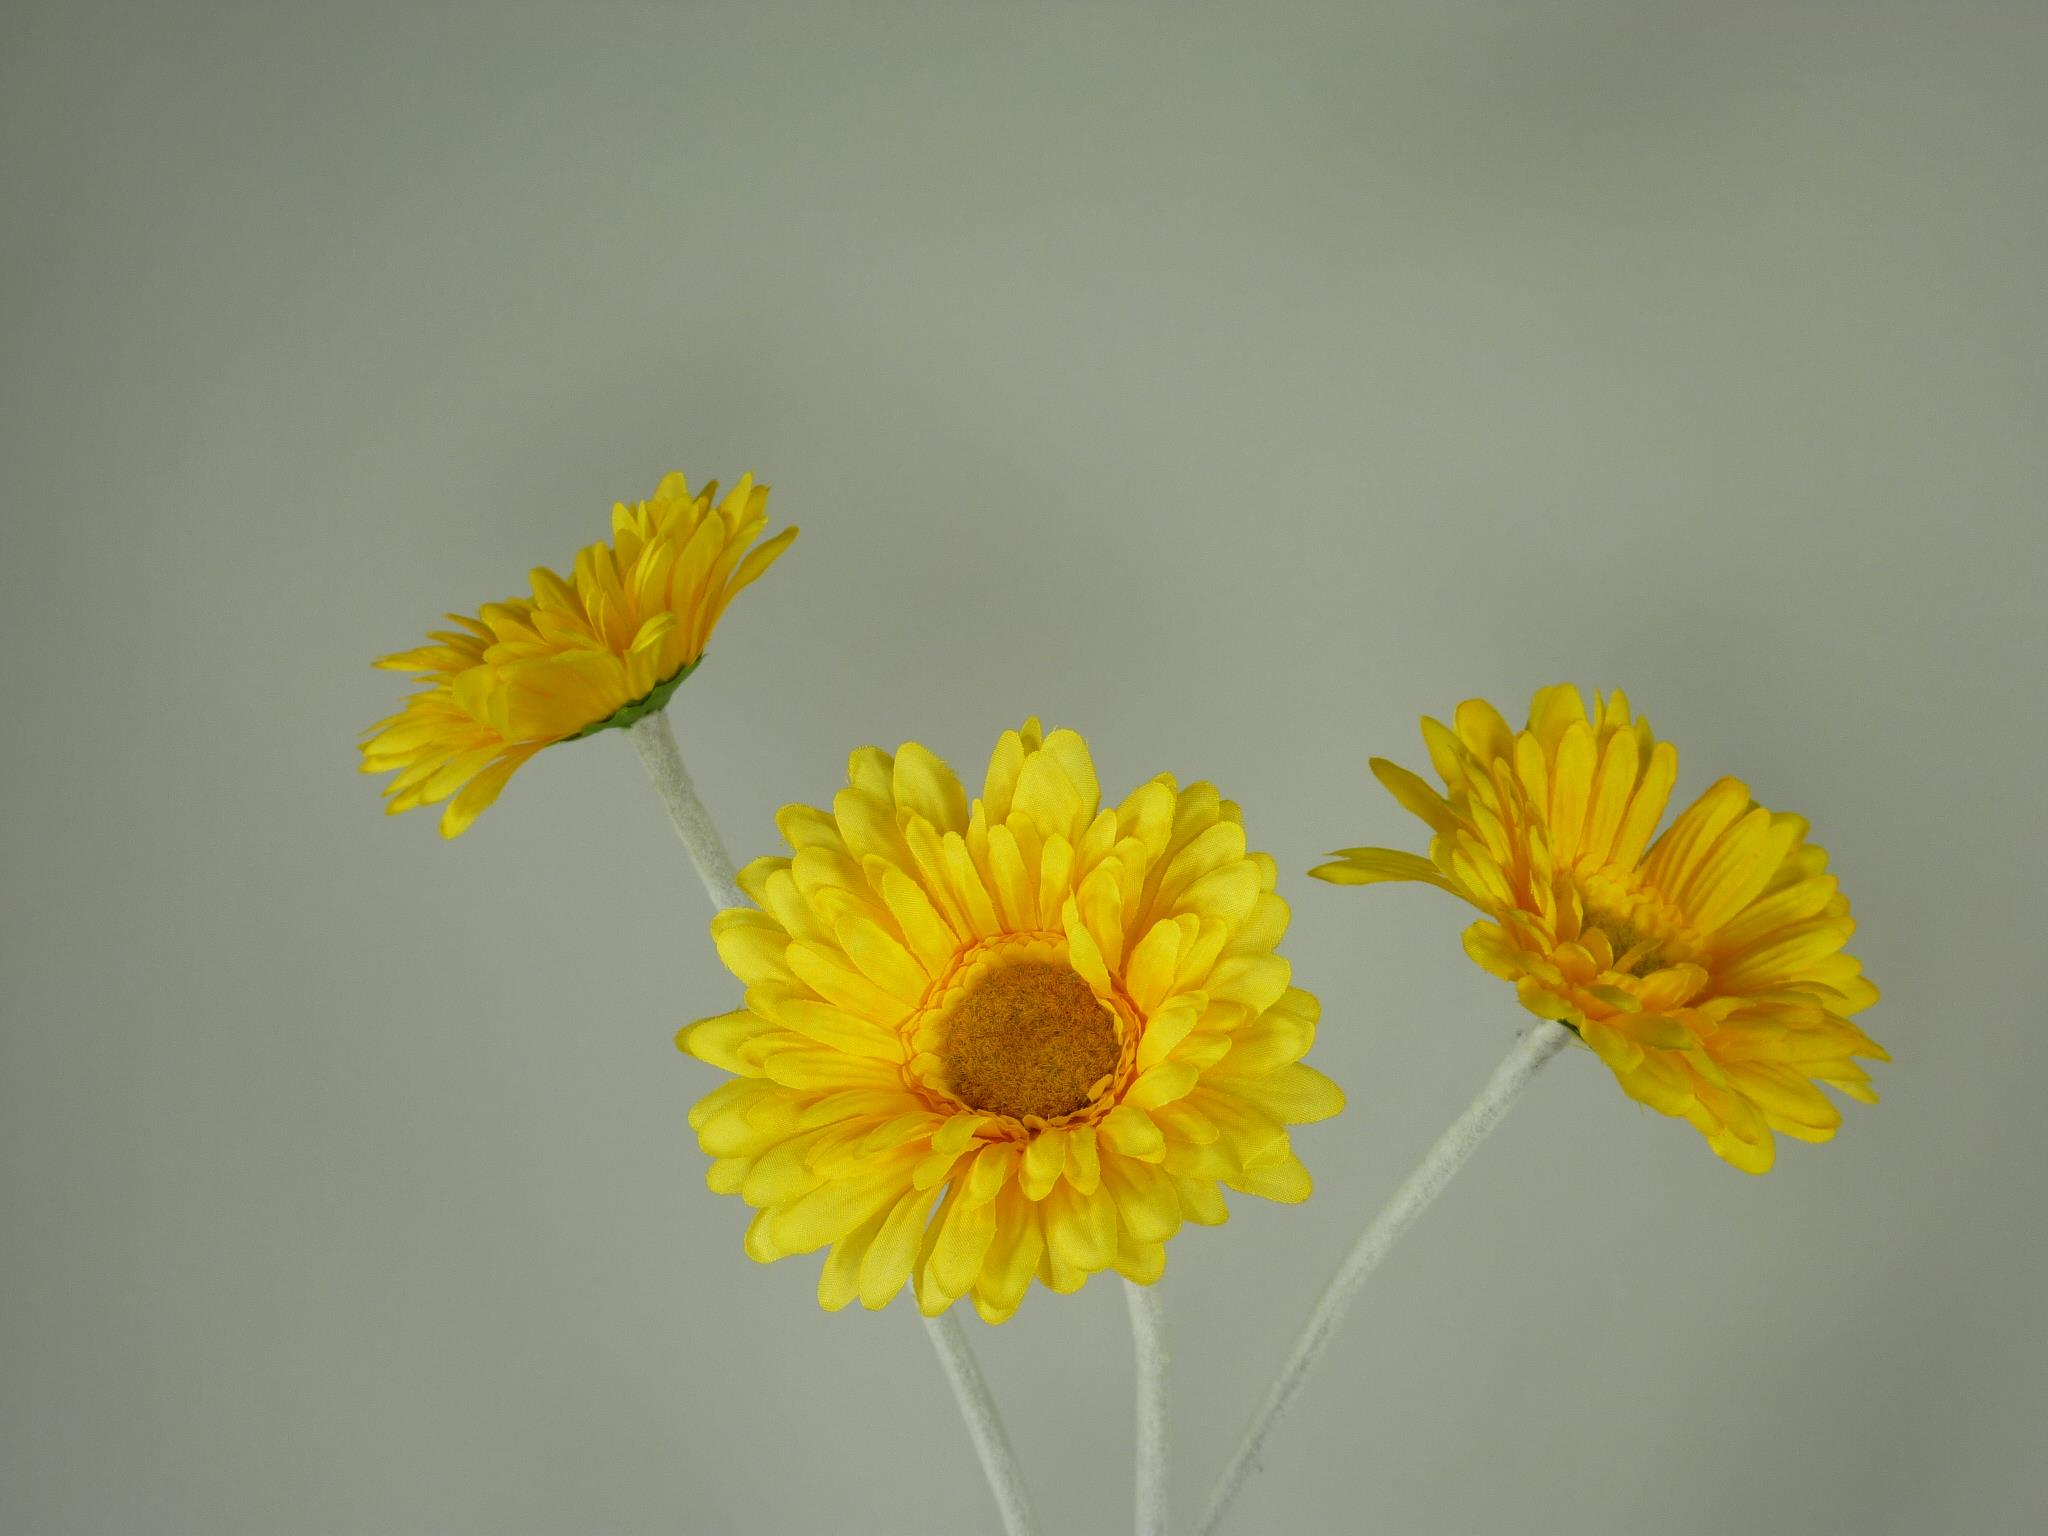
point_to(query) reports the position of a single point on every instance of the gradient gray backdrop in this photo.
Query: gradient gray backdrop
(1234, 385)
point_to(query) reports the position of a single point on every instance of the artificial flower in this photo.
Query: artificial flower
(586, 653)
(1027, 1037)
(1706, 968)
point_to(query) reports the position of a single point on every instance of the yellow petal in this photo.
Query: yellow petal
(757, 562)
(1688, 839)
(925, 786)
(1081, 1229)
(886, 1265)
(882, 958)
(1149, 977)
(1147, 1201)
(1049, 799)
(1645, 807)
(1012, 1256)
(1044, 1160)
(832, 1210)
(1131, 1132)
(1276, 1174)
(1415, 796)
(719, 1040)
(839, 1277)
(1611, 790)
(965, 1237)
(476, 796)
(1140, 1263)
(1370, 866)
(1201, 1202)
(1295, 1095)
(753, 946)
(1071, 752)
(1571, 791)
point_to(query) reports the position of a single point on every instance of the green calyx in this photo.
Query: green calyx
(656, 699)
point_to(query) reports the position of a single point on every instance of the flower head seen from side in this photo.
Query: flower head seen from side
(1026, 1037)
(1706, 969)
(598, 649)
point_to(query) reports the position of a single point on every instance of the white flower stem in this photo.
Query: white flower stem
(1423, 1184)
(655, 741)
(1148, 1338)
(984, 1424)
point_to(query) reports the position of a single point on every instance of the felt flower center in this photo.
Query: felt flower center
(1636, 952)
(1029, 1039)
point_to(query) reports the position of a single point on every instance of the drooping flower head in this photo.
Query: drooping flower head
(1705, 969)
(1027, 1037)
(595, 651)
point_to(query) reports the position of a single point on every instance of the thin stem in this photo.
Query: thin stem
(978, 1408)
(656, 742)
(1422, 1185)
(1148, 1337)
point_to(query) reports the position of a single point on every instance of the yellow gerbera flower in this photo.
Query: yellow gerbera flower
(1705, 969)
(1063, 1026)
(574, 657)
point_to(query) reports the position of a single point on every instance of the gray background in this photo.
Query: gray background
(1233, 384)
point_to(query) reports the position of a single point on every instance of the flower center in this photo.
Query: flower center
(1029, 1039)
(1635, 952)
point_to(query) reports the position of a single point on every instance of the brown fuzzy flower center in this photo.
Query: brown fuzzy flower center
(1030, 1039)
